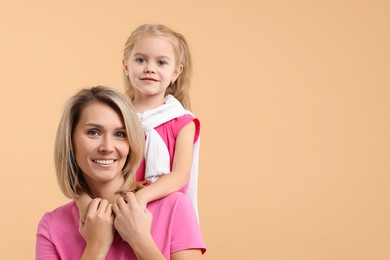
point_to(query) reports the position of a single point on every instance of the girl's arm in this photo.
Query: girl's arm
(181, 169)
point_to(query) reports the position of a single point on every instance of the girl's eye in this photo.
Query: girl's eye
(161, 62)
(120, 134)
(93, 132)
(140, 60)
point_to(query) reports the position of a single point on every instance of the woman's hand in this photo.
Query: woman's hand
(131, 221)
(98, 229)
(133, 224)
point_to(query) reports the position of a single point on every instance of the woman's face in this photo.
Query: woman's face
(101, 146)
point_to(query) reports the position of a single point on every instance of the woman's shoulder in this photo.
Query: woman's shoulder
(176, 203)
(62, 213)
(63, 208)
(58, 231)
(174, 198)
(175, 215)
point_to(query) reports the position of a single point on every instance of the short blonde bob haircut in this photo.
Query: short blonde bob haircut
(180, 88)
(69, 175)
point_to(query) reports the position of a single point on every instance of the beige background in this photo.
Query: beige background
(294, 102)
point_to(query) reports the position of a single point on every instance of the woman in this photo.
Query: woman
(99, 146)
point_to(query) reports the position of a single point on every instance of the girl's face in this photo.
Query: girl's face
(101, 146)
(151, 67)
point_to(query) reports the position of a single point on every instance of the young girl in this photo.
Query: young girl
(157, 73)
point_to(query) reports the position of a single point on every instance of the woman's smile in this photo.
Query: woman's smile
(105, 162)
(101, 145)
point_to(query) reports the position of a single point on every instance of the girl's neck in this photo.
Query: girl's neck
(141, 104)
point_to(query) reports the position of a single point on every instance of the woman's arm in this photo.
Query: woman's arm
(190, 254)
(133, 224)
(181, 169)
(45, 248)
(186, 237)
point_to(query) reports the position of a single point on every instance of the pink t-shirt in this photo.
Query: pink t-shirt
(168, 132)
(174, 228)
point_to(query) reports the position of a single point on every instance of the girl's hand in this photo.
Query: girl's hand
(131, 220)
(98, 229)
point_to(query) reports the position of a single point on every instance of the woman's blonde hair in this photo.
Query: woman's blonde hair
(69, 175)
(180, 88)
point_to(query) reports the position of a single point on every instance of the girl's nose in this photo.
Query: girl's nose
(149, 69)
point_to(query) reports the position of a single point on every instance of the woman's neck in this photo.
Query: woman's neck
(105, 192)
(111, 197)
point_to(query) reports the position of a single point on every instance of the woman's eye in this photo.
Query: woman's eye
(161, 62)
(140, 60)
(93, 132)
(120, 134)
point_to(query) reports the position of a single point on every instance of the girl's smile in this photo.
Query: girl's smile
(151, 68)
(149, 79)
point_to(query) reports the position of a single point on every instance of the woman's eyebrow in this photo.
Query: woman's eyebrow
(93, 125)
(101, 126)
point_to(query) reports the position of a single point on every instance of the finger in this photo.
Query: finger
(131, 200)
(109, 209)
(115, 208)
(94, 205)
(102, 207)
(121, 202)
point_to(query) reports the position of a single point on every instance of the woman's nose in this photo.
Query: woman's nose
(106, 145)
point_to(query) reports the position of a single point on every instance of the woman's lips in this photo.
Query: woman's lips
(104, 162)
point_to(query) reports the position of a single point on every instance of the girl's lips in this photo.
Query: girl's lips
(149, 79)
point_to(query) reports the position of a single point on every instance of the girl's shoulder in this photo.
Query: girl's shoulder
(175, 125)
(184, 119)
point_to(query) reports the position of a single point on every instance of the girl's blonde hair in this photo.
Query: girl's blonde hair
(180, 88)
(69, 175)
